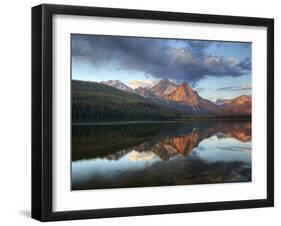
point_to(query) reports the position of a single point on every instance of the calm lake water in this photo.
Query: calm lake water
(160, 154)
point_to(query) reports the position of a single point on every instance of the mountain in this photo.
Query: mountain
(239, 105)
(118, 85)
(145, 92)
(185, 95)
(183, 98)
(164, 87)
(97, 102)
(220, 102)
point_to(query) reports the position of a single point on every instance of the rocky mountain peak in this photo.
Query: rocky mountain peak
(184, 94)
(145, 92)
(164, 87)
(118, 85)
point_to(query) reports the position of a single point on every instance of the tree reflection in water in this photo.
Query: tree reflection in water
(160, 154)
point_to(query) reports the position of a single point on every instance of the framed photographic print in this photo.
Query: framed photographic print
(145, 112)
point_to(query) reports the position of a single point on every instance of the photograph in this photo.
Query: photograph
(159, 111)
(145, 112)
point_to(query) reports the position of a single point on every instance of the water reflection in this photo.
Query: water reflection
(154, 154)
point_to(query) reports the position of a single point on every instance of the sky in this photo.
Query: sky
(215, 69)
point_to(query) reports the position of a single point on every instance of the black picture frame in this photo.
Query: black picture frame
(42, 111)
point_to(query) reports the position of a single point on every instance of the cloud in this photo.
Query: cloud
(245, 64)
(235, 88)
(142, 83)
(159, 58)
(232, 61)
(198, 47)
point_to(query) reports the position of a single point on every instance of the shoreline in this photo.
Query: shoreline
(154, 122)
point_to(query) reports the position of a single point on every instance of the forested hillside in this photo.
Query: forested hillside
(96, 102)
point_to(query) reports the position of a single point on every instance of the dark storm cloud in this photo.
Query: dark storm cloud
(245, 64)
(198, 47)
(157, 57)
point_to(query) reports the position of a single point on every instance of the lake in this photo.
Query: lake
(141, 154)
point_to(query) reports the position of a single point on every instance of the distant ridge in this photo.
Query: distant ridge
(118, 85)
(239, 105)
(184, 98)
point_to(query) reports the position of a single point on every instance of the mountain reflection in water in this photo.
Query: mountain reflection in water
(160, 154)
